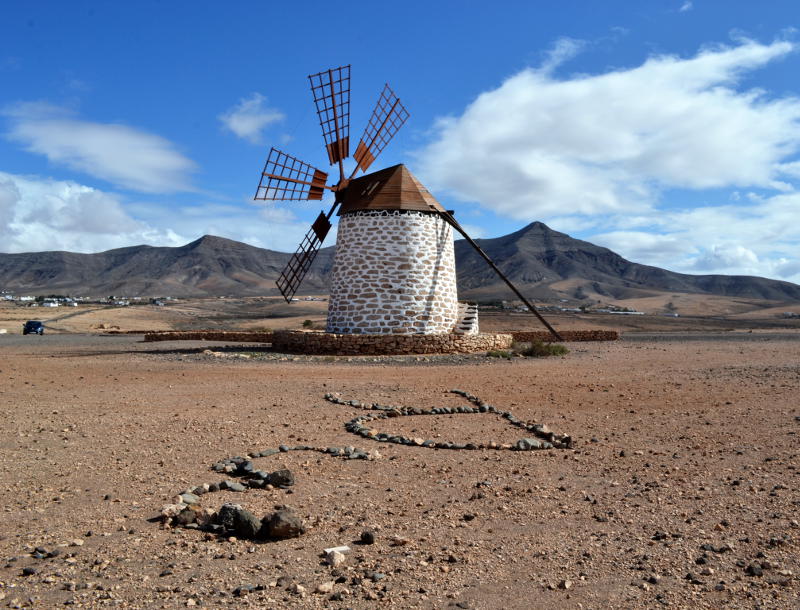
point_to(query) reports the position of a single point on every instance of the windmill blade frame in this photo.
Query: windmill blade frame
(287, 178)
(331, 92)
(386, 120)
(296, 269)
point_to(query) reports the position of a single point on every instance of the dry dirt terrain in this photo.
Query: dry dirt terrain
(681, 490)
(697, 313)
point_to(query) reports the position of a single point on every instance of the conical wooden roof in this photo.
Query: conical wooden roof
(393, 188)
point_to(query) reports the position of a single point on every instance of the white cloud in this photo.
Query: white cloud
(265, 226)
(686, 6)
(124, 156)
(41, 214)
(756, 238)
(474, 231)
(38, 214)
(640, 246)
(725, 257)
(248, 118)
(537, 146)
(789, 269)
(602, 154)
(563, 50)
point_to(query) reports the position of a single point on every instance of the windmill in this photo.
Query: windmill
(394, 269)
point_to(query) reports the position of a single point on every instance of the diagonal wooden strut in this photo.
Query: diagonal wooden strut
(454, 223)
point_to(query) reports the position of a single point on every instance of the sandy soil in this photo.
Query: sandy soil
(255, 313)
(679, 445)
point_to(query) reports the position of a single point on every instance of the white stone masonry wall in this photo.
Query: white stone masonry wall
(394, 272)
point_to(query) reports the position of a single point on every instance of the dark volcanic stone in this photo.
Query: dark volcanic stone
(282, 524)
(243, 590)
(185, 517)
(245, 467)
(246, 524)
(526, 444)
(753, 570)
(227, 515)
(281, 478)
(368, 537)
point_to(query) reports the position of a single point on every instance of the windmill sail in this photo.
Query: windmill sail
(297, 268)
(331, 91)
(287, 178)
(387, 118)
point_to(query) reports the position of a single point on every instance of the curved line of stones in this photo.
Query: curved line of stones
(242, 467)
(543, 437)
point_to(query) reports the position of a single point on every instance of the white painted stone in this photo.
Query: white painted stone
(393, 273)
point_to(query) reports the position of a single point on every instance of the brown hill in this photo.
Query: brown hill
(546, 264)
(209, 266)
(540, 260)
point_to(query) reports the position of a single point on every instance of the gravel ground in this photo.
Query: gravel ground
(681, 491)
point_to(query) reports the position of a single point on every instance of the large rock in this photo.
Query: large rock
(281, 478)
(233, 517)
(186, 516)
(527, 444)
(227, 515)
(282, 524)
(246, 524)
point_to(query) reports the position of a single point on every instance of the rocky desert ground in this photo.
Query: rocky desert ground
(680, 491)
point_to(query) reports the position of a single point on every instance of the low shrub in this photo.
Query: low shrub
(499, 353)
(539, 349)
(308, 323)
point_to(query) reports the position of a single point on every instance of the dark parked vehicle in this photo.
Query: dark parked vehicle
(33, 326)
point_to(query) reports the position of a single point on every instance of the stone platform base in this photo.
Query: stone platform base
(316, 342)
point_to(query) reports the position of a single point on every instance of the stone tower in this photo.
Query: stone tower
(394, 267)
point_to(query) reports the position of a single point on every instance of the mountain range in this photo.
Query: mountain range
(545, 264)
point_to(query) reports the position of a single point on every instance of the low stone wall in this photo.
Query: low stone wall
(567, 335)
(311, 342)
(210, 335)
(429, 344)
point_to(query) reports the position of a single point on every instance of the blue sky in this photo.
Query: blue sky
(666, 130)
